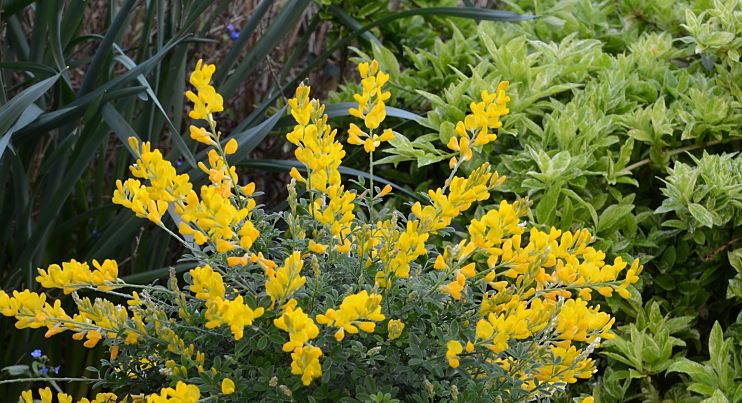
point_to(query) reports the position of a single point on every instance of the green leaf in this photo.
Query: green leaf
(588, 206)
(104, 48)
(28, 116)
(119, 125)
(154, 274)
(340, 109)
(612, 215)
(546, 208)
(700, 213)
(237, 47)
(175, 135)
(18, 104)
(717, 397)
(353, 24)
(17, 370)
(698, 372)
(735, 259)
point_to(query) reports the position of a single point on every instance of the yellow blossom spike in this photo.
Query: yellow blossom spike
(287, 279)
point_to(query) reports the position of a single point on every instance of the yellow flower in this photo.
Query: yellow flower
(234, 313)
(395, 327)
(183, 393)
(206, 100)
(316, 247)
(207, 284)
(455, 287)
(371, 108)
(357, 311)
(230, 147)
(64, 398)
(73, 275)
(588, 399)
(385, 191)
(371, 100)
(578, 322)
(227, 386)
(305, 362)
(165, 185)
(474, 131)
(202, 135)
(46, 395)
(297, 324)
(285, 281)
(469, 347)
(27, 396)
(453, 350)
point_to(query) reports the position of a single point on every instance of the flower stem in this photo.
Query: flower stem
(18, 380)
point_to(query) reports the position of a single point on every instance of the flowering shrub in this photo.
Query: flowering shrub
(336, 296)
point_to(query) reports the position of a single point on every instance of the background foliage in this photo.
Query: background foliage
(625, 118)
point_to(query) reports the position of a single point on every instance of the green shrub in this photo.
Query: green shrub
(625, 117)
(324, 302)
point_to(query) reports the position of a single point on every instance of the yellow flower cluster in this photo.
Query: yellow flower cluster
(371, 108)
(301, 329)
(474, 131)
(212, 215)
(285, 281)
(297, 324)
(566, 365)
(400, 248)
(94, 321)
(357, 311)
(206, 100)
(46, 395)
(182, 393)
(165, 185)
(73, 275)
(208, 285)
(305, 362)
(322, 155)
(545, 271)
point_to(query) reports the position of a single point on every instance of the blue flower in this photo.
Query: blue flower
(56, 369)
(44, 370)
(234, 34)
(36, 353)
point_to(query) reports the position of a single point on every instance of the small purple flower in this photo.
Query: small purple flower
(56, 369)
(234, 34)
(178, 163)
(36, 353)
(44, 370)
